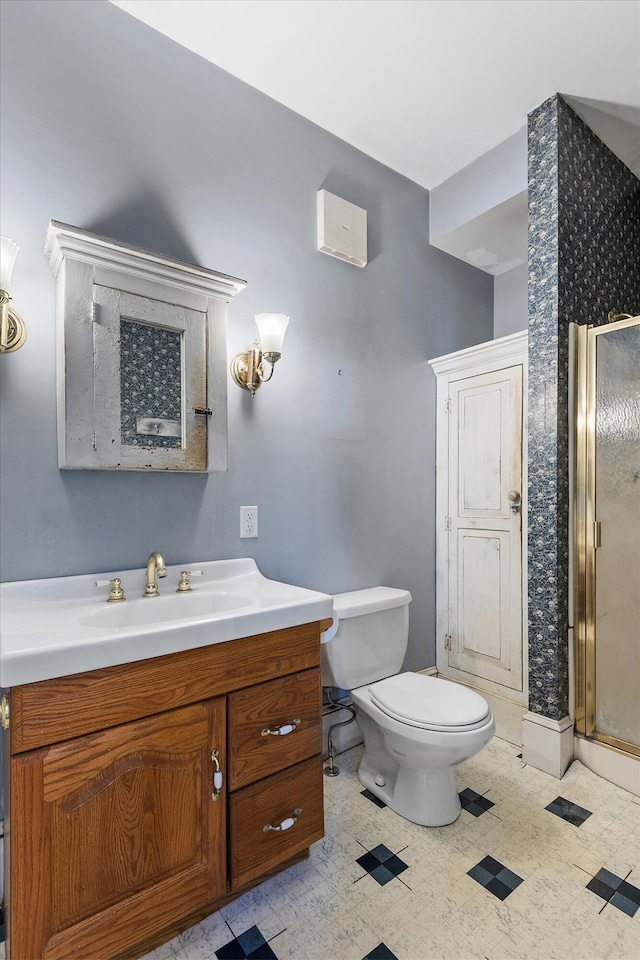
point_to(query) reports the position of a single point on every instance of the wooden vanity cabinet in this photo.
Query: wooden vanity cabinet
(118, 833)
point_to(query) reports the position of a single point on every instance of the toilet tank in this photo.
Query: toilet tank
(371, 640)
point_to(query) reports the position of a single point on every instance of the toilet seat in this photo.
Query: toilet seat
(430, 703)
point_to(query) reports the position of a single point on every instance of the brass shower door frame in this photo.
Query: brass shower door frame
(586, 533)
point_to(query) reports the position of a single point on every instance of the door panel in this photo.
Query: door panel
(481, 584)
(484, 555)
(480, 452)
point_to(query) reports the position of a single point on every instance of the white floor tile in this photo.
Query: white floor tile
(330, 908)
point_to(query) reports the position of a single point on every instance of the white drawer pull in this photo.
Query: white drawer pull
(281, 731)
(285, 825)
(217, 775)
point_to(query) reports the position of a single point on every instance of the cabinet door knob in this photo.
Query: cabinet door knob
(217, 775)
(286, 823)
(281, 731)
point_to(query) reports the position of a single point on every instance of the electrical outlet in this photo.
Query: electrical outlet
(248, 521)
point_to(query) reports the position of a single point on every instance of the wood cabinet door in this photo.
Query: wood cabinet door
(116, 835)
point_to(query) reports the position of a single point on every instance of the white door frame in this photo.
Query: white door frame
(484, 358)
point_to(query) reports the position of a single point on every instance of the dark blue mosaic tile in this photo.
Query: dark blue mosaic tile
(250, 945)
(474, 803)
(381, 864)
(150, 380)
(615, 891)
(599, 216)
(495, 877)
(371, 796)
(381, 952)
(584, 247)
(568, 811)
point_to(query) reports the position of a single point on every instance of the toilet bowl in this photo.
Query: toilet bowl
(415, 728)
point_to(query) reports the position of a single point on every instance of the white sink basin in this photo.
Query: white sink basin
(124, 616)
(60, 626)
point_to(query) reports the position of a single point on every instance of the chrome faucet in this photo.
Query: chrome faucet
(155, 568)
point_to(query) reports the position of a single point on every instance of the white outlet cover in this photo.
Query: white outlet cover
(248, 522)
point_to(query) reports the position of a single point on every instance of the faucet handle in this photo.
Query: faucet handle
(116, 593)
(184, 586)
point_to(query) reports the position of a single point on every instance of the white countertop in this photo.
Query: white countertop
(63, 625)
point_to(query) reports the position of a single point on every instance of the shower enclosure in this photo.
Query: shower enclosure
(606, 527)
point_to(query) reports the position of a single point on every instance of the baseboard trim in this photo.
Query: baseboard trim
(610, 764)
(547, 744)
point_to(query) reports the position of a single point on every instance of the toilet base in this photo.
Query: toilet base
(411, 769)
(426, 797)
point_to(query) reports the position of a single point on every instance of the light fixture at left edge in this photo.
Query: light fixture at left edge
(13, 331)
(247, 369)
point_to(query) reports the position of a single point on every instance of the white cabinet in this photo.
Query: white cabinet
(480, 527)
(142, 359)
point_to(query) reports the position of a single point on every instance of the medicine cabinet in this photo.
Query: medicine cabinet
(141, 356)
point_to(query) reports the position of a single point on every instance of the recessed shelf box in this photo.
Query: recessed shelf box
(342, 229)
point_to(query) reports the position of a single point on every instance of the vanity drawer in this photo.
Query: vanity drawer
(274, 706)
(254, 850)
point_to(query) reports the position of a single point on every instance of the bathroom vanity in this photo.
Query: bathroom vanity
(144, 795)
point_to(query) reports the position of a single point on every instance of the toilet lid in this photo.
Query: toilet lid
(429, 702)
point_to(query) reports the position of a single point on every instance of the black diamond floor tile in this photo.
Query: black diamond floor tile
(474, 803)
(371, 796)
(615, 891)
(381, 952)
(569, 811)
(250, 945)
(495, 877)
(382, 864)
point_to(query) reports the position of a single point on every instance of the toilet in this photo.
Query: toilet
(415, 728)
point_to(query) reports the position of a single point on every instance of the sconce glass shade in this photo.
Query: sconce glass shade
(8, 254)
(272, 328)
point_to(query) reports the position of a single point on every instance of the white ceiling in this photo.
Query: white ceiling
(424, 86)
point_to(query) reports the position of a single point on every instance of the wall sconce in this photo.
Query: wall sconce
(247, 369)
(13, 332)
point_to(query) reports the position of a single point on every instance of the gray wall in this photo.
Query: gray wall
(510, 304)
(111, 127)
(482, 185)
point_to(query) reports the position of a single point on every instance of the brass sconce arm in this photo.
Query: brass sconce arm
(248, 369)
(13, 331)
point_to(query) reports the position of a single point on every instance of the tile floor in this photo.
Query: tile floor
(534, 869)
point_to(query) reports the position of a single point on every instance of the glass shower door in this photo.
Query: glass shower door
(611, 534)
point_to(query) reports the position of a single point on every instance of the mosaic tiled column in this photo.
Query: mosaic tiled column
(584, 256)
(548, 491)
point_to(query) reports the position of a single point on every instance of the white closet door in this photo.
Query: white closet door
(485, 526)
